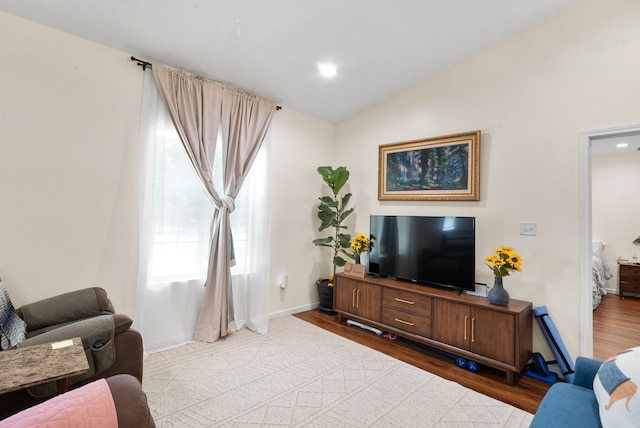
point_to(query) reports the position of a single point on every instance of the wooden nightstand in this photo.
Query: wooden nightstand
(629, 279)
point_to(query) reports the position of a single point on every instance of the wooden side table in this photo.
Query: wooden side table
(33, 365)
(629, 278)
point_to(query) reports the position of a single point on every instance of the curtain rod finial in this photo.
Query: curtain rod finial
(141, 63)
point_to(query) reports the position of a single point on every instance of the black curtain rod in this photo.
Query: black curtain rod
(145, 64)
(141, 63)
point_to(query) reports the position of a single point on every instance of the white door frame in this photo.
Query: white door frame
(584, 229)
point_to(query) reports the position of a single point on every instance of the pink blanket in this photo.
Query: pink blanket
(88, 406)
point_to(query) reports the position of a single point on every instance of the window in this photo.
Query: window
(182, 212)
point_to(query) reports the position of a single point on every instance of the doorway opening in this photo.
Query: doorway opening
(586, 140)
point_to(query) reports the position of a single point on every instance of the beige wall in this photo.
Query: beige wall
(615, 183)
(300, 144)
(69, 118)
(69, 124)
(530, 95)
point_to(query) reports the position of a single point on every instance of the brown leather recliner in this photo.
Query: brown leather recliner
(111, 345)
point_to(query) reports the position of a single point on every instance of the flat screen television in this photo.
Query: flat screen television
(435, 251)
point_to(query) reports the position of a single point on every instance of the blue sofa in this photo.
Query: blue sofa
(571, 404)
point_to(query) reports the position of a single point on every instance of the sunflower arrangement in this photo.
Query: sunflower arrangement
(503, 261)
(361, 243)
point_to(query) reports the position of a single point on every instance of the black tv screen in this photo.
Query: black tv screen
(437, 251)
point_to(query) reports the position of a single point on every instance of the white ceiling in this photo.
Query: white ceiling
(271, 47)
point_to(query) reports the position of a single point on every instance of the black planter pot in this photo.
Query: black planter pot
(325, 294)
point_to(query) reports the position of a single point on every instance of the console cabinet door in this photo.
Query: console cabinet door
(451, 323)
(493, 335)
(481, 331)
(344, 294)
(369, 301)
(359, 298)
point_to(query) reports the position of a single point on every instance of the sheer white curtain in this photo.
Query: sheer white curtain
(175, 218)
(174, 230)
(250, 223)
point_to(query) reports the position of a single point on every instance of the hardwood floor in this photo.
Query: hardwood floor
(525, 394)
(615, 325)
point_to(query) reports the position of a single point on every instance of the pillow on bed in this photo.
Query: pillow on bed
(597, 247)
(616, 389)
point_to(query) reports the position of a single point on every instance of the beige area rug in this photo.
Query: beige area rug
(301, 375)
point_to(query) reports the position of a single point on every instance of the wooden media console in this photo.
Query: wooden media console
(463, 325)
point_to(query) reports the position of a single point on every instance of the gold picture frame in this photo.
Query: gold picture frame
(445, 168)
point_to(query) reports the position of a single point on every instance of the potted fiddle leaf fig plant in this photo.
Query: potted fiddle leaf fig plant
(332, 212)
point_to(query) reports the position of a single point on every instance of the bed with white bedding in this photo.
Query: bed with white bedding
(600, 272)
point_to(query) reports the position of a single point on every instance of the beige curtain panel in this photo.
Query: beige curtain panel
(198, 106)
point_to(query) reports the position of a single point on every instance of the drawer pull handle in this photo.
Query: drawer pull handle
(405, 322)
(408, 302)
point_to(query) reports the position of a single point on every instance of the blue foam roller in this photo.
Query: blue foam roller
(551, 378)
(555, 342)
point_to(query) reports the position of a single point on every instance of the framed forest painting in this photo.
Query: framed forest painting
(443, 168)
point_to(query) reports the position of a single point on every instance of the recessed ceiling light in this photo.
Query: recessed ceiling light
(327, 70)
(622, 145)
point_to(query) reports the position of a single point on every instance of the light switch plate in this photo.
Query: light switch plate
(528, 228)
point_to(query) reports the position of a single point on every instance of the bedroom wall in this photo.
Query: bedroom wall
(531, 95)
(615, 207)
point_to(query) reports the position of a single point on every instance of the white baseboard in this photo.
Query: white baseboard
(293, 311)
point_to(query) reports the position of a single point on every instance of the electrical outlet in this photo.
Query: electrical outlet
(283, 282)
(528, 229)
